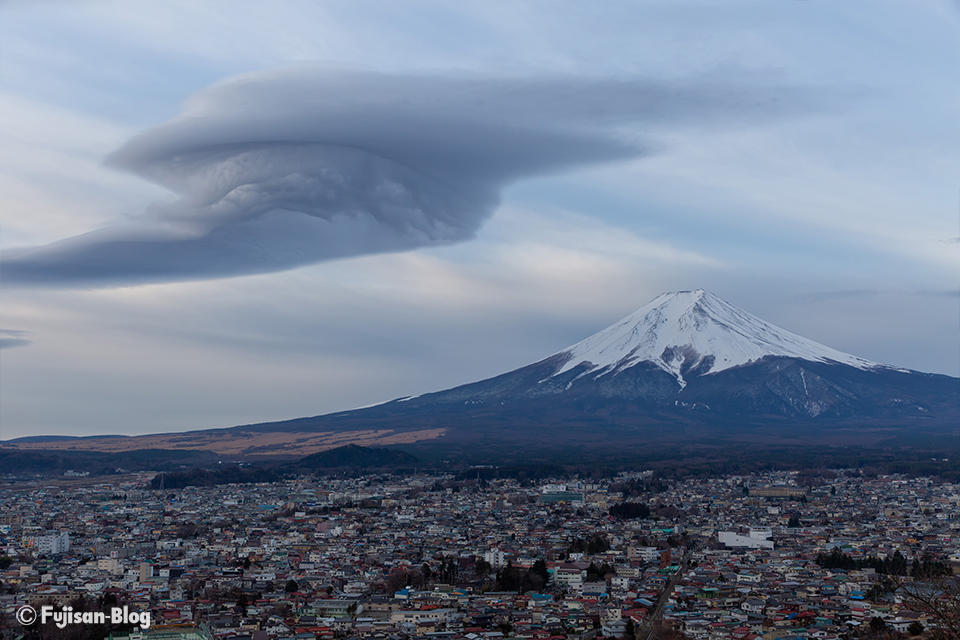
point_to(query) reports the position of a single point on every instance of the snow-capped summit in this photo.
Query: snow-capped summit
(686, 366)
(686, 370)
(688, 331)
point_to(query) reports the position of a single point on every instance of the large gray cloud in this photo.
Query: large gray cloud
(280, 169)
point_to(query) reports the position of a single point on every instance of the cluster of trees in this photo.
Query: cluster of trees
(630, 511)
(405, 577)
(815, 477)
(596, 574)
(895, 565)
(927, 567)
(939, 598)
(507, 578)
(636, 488)
(592, 546)
(438, 486)
(408, 576)
(510, 578)
(837, 559)
(354, 460)
(879, 628)
(17, 462)
(448, 571)
(815, 462)
(204, 478)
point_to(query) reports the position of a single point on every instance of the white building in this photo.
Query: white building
(759, 538)
(495, 558)
(111, 565)
(647, 554)
(568, 576)
(53, 543)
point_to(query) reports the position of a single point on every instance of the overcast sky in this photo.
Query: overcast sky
(221, 213)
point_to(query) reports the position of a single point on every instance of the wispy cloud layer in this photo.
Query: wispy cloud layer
(829, 296)
(10, 338)
(279, 169)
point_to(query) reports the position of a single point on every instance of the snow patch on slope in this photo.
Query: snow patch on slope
(695, 330)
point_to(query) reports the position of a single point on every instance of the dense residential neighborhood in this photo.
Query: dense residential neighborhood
(773, 555)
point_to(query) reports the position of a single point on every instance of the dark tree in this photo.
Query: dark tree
(896, 564)
(482, 568)
(595, 573)
(597, 544)
(938, 598)
(509, 578)
(630, 511)
(540, 568)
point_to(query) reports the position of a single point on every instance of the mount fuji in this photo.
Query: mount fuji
(686, 370)
(688, 365)
(694, 333)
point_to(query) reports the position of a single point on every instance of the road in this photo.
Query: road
(647, 630)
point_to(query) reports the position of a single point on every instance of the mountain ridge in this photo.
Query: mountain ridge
(686, 367)
(696, 331)
(687, 359)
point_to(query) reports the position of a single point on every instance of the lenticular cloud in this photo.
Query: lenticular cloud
(275, 170)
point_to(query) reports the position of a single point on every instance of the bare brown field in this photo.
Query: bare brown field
(238, 443)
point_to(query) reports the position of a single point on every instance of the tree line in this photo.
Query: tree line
(895, 565)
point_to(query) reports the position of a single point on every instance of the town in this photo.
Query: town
(778, 555)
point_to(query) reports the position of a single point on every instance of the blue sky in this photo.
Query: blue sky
(796, 158)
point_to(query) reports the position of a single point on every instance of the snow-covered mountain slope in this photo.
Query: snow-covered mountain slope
(694, 331)
(685, 366)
